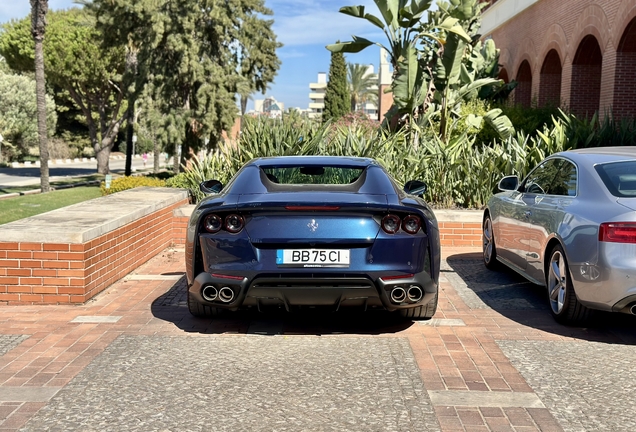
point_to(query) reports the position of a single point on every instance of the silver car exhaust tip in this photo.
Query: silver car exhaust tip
(226, 295)
(398, 295)
(415, 293)
(632, 310)
(209, 293)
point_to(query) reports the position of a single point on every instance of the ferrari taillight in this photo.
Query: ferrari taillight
(234, 223)
(617, 232)
(411, 224)
(390, 224)
(213, 223)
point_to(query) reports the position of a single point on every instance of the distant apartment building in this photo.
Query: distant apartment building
(579, 54)
(317, 96)
(269, 107)
(370, 108)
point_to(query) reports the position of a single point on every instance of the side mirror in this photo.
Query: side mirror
(415, 187)
(211, 186)
(508, 183)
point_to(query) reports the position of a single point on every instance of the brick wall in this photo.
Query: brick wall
(550, 80)
(54, 273)
(564, 26)
(460, 233)
(73, 273)
(523, 92)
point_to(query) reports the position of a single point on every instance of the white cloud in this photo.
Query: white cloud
(309, 22)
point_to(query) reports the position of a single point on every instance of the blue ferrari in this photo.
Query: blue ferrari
(299, 232)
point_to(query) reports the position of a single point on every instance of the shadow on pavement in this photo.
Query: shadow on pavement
(526, 303)
(172, 307)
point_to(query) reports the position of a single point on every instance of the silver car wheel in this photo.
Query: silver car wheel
(487, 240)
(557, 281)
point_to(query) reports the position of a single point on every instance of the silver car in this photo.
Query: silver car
(570, 225)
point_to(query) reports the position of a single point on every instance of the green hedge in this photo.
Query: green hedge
(124, 183)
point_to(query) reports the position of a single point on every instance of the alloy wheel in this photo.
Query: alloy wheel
(557, 281)
(487, 240)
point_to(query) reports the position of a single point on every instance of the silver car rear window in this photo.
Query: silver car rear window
(619, 177)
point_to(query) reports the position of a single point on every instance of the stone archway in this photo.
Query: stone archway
(503, 75)
(550, 80)
(624, 101)
(587, 68)
(523, 91)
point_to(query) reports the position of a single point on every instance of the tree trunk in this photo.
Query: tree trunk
(156, 151)
(130, 119)
(38, 27)
(176, 164)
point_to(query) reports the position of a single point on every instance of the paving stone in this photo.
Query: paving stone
(98, 319)
(230, 383)
(8, 342)
(481, 288)
(587, 386)
(177, 296)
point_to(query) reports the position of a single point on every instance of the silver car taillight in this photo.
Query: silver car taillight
(617, 232)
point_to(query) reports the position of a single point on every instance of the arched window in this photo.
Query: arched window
(587, 67)
(523, 91)
(624, 104)
(550, 80)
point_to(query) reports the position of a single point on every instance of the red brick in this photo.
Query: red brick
(45, 255)
(20, 254)
(18, 272)
(31, 246)
(56, 247)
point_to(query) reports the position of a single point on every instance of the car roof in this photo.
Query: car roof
(348, 161)
(596, 155)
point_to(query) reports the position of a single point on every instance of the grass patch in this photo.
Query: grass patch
(12, 209)
(58, 183)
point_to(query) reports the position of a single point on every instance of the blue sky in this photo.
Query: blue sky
(303, 26)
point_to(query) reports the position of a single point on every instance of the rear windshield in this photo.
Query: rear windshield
(619, 177)
(313, 174)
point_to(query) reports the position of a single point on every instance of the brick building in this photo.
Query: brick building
(580, 54)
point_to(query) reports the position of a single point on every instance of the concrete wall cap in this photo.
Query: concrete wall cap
(85, 221)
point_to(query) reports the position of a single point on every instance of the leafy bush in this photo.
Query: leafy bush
(461, 173)
(124, 183)
(18, 116)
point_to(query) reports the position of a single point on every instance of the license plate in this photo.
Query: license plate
(313, 257)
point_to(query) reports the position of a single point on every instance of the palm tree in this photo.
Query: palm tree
(38, 27)
(363, 85)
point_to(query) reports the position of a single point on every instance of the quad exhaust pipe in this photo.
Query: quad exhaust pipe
(209, 293)
(415, 293)
(398, 295)
(226, 294)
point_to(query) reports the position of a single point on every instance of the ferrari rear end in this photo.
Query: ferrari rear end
(335, 238)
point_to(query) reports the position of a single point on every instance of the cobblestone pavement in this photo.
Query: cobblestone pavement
(492, 359)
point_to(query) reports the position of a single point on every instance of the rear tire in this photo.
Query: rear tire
(488, 245)
(564, 305)
(425, 312)
(201, 310)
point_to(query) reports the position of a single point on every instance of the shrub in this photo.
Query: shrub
(124, 183)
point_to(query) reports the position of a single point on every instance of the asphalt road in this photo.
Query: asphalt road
(26, 176)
